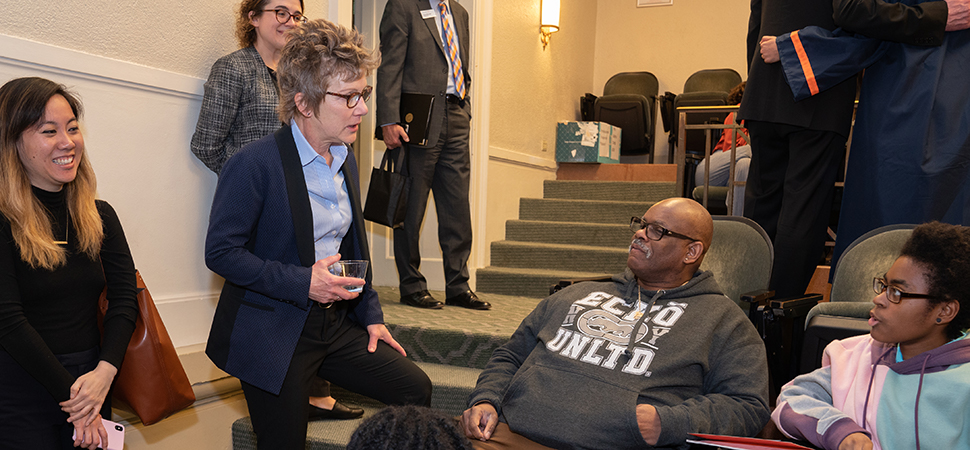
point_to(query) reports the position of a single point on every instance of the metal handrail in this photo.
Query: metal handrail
(681, 153)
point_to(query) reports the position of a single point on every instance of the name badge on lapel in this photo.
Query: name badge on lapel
(427, 14)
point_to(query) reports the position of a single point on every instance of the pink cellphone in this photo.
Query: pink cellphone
(116, 434)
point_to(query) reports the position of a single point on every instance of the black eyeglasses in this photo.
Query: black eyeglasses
(353, 98)
(893, 293)
(283, 16)
(655, 232)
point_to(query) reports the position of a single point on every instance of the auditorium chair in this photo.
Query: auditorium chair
(629, 101)
(847, 312)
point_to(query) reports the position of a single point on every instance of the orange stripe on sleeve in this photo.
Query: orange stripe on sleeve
(806, 64)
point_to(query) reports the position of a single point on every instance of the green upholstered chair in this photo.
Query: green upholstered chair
(629, 101)
(741, 256)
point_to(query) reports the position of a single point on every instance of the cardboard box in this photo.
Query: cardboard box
(594, 142)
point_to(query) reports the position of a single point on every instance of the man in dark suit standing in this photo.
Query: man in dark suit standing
(424, 46)
(796, 146)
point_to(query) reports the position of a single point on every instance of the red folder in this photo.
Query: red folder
(742, 443)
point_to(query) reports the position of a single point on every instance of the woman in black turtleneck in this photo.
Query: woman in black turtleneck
(59, 248)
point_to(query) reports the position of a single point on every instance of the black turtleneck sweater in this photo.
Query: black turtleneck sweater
(45, 313)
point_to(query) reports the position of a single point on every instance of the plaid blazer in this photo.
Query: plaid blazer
(239, 107)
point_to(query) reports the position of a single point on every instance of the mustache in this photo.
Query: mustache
(640, 244)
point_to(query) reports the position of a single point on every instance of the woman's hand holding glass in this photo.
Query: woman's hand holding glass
(326, 288)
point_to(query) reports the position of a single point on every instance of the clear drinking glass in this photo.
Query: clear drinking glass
(350, 268)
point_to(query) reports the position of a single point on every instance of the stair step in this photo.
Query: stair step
(452, 386)
(589, 211)
(453, 335)
(594, 234)
(574, 258)
(632, 191)
(525, 282)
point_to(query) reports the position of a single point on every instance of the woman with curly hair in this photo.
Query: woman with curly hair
(906, 384)
(242, 93)
(286, 208)
(239, 107)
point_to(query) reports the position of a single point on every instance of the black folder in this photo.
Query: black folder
(415, 117)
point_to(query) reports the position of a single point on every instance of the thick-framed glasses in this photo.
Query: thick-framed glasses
(893, 293)
(354, 98)
(655, 232)
(283, 16)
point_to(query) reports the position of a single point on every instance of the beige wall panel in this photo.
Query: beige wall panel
(672, 42)
(179, 36)
(532, 88)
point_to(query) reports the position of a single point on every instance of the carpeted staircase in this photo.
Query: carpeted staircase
(579, 229)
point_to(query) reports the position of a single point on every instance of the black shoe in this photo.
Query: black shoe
(339, 412)
(469, 300)
(421, 299)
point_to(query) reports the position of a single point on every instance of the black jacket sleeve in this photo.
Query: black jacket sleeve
(921, 24)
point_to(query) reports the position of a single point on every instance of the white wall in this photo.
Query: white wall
(139, 68)
(137, 125)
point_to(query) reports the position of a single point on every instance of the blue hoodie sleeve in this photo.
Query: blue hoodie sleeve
(805, 411)
(815, 59)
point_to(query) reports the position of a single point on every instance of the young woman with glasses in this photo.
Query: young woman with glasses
(241, 94)
(906, 384)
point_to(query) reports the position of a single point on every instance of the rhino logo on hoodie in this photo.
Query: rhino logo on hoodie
(600, 323)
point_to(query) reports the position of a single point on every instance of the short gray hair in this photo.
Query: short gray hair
(318, 54)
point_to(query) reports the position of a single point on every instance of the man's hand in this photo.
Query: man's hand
(88, 393)
(856, 441)
(479, 421)
(379, 331)
(958, 15)
(649, 423)
(769, 49)
(394, 134)
(90, 436)
(326, 287)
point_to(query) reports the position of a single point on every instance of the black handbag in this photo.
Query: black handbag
(387, 196)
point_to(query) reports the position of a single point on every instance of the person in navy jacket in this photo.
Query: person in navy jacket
(286, 208)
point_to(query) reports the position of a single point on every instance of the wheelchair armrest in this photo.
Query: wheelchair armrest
(564, 283)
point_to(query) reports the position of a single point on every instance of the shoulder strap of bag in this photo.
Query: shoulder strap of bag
(399, 164)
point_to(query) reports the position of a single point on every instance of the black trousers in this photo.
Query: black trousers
(334, 348)
(29, 415)
(444, 169)
(789, 192)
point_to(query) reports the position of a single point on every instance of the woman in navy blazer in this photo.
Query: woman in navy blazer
(287, 207)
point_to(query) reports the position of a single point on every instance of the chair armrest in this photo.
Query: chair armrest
(795, 307)
(759, 296)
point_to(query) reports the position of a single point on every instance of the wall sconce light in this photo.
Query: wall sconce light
(550, 20)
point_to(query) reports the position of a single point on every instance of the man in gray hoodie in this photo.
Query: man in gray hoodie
(576, 375)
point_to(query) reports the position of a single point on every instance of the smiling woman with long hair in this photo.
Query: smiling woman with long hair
(59, 249)
(906, 384)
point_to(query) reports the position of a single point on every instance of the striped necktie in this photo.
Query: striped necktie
(451, 45)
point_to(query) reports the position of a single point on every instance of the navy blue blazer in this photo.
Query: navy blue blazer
(260, 239)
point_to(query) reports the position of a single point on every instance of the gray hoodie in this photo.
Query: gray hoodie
(570, 377)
